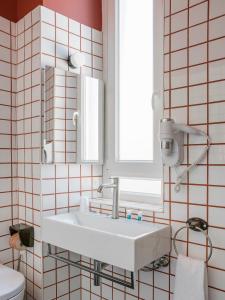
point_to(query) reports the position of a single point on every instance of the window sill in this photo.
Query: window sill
(129, 204)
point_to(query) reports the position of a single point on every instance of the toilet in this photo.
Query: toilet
(12, 284)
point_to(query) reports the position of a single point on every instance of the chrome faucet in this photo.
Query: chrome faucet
(115, 186)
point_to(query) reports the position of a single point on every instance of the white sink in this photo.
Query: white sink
(123, 243)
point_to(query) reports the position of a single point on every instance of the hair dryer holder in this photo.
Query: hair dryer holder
(172, 146)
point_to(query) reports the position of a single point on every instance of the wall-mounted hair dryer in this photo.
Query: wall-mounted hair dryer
(172, 146)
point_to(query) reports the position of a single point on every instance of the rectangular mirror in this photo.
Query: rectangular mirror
(90, 120)
(73, 110)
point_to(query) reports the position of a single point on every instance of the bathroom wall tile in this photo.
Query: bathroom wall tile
(216, 49)
(48, 31)
(74, 27)
(61, 36)
(193, 200)
(179, 40)
(86, 32)
(217, 8)
(198, 54)
(47, 15)
(198, 14)
(179, 21)
(62, 21)
(217, 28)
(48, 47)
(198, 34)
(179, 59)
(179, 78)
(36, 15)
(178, 5)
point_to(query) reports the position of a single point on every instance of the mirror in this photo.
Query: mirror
(90, 120)
(72, 109)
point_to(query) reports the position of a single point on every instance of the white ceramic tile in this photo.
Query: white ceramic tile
(179, 21)
(216, 176)
(217, 112)
(198, 74)
(179, 59)
(86, 45)
(97, 63)
(5, 83)
(74, 41)
(198, 175)
(198, 114)
(198, 54)
(217, 154)
(216, 133)
(28, 36)
(160, 294)
(47, 47)
(197, 194)
(5, 69)
(217, 70)
(27, 21)
(198, 94)
(178, 5)
(62, 21)
(198, 14)
(36, 46)
(96, 36)
(179, 40)
(179, 97)
(62, 36)
(4, 39)
(85, 32)
(5, 54)
(216, 49)
(20, 40)
(74, 27)
(62, 51)
(179, 78)
(36, 31)
(4, 25)
(178, 211)
(198, 34)
(217, 8)
(20, 26)
(47, 15)
(179, 115)
(36, 14)
(217, 28)
(218, 237)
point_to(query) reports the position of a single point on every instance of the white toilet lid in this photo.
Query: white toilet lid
(11, 283)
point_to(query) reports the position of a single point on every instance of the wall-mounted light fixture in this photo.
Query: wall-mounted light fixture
(76, 60)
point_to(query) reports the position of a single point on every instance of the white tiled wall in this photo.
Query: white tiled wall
(8, 167)
(194, 94)
(62, 185)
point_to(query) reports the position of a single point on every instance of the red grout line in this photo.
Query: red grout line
(184, 9)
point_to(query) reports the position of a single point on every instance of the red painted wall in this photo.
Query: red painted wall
(88, 12)
(8, 9)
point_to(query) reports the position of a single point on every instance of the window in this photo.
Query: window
(133, 41)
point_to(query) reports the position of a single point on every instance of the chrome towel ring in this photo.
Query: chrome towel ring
(199, 225)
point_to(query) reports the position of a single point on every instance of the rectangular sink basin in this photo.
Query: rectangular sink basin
(123, 243)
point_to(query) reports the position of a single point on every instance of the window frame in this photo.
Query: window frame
(135, 169)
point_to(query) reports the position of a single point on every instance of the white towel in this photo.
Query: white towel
(191, 279)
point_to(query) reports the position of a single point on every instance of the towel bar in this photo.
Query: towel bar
(199, 225)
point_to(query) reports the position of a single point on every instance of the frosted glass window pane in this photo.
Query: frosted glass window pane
(91, 119)
(144, 186)
(135, 117)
